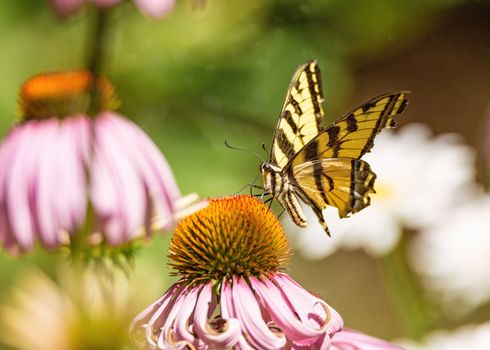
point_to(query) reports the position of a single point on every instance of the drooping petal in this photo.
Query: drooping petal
(18, 185)
(152, 168)
(167, 322)
(183, 326)
(161, 322)
(76, 154)
(308, 306)
(117, 191)
(245, 307)
(227, 334)
(142, 320)
(45, 191)
(8, 154)
(293, 315)
(228, 312)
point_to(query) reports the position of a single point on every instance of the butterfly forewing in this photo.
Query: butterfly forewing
(301, 115)
(352, 135)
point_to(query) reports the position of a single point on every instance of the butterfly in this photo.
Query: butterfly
(318, 165)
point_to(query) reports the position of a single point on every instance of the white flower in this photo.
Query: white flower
(418, 178)
(471, 337)
(83, 312)
(454, 257)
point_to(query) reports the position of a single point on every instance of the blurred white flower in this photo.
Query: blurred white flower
(454, 257)
(82, 312)
(419, 177)
(472, 337)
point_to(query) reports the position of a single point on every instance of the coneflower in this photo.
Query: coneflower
(232, 291)
(75, 172)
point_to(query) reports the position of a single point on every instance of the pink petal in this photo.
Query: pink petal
(118, 192)
(285, 310)
(76, 137)
(298, 296)
(141, 320)
(245, 307)
(183, 324)
(224, 339)
(152, 167)
(228, 312)
(323, 343)
(8, 152)
(45, 192)
(155, 8)
(155, 318)
(166, 339)
(52, 181)
(349, 339)
(17, 182)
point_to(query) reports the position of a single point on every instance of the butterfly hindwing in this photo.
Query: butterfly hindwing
(352, 135)
(301, 114)
(340, 182)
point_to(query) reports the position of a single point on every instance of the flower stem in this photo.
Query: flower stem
(405, 292)
(97, 47)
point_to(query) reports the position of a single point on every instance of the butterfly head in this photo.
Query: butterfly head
(272, 178)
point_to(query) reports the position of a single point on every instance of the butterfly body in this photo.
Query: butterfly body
(322, 166)
(279, 186)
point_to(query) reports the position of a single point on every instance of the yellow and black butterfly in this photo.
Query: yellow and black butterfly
(322, 166)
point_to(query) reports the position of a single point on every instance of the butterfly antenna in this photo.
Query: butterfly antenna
(244, 150)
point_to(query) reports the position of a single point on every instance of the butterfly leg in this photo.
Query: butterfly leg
(290, 203)
(252, 186)
(280, 214)
(270, 202)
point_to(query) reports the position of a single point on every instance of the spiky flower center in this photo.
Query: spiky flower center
(64, 94)
(232, 236)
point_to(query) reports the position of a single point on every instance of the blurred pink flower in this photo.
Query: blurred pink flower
(152, 8)
(349, 339)
(231, 293)
(66, 176)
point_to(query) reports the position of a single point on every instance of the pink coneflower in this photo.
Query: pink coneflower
(67, 177)
(348, 339)
(231, 292)
(152, 8)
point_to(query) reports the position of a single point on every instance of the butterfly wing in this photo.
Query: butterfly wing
(327, 170)
(352, 135)
(301, 115)
(340, 182)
